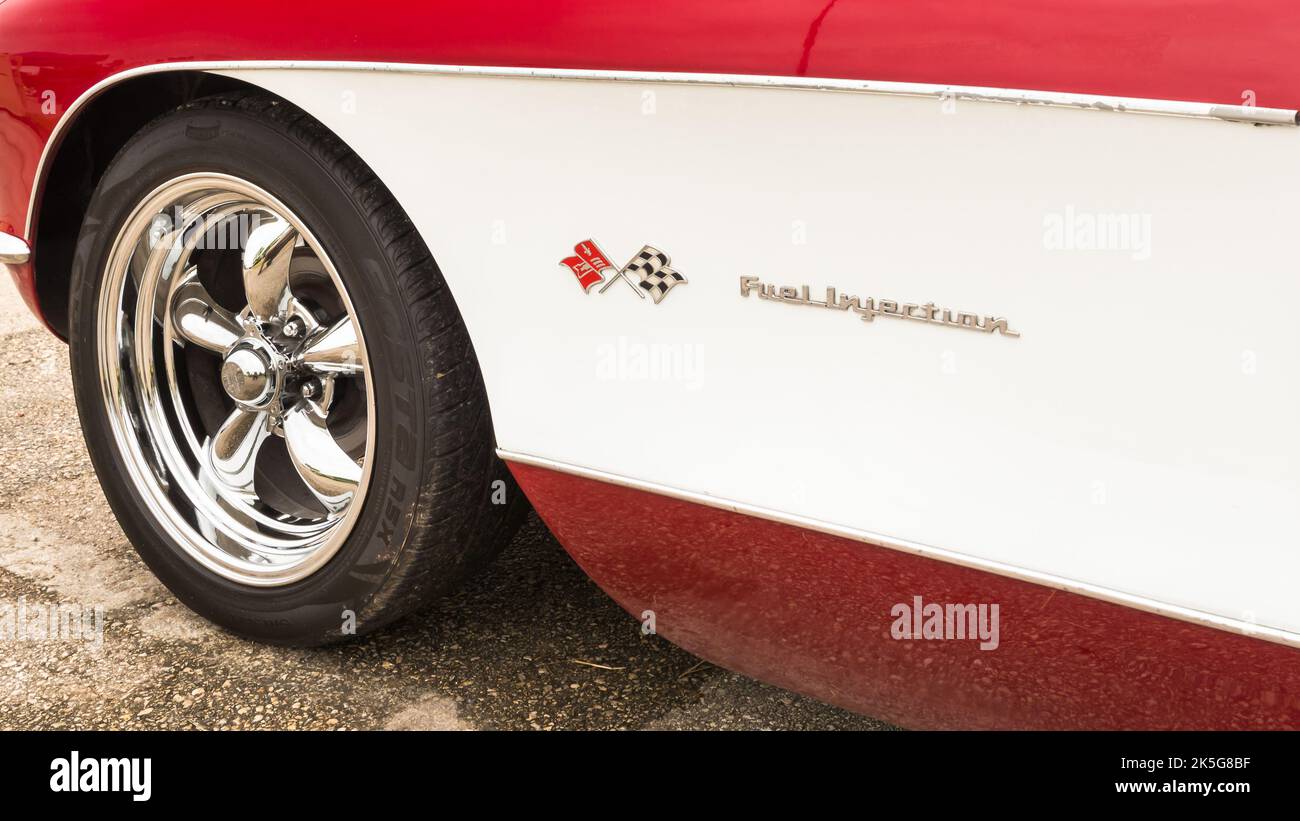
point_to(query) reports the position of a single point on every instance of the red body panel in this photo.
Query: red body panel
(812, 613)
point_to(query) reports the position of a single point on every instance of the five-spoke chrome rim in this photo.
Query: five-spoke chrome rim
(235, 376)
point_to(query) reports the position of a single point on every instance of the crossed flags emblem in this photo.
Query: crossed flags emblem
(648, 272)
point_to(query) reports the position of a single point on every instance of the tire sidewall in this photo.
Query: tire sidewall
(231, 142)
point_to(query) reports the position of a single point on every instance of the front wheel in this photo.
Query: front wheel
(278, 393)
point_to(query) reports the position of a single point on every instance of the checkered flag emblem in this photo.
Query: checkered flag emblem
(646, 273)
(657, 279)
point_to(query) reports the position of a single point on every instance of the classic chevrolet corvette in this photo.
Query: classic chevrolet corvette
(948, 377)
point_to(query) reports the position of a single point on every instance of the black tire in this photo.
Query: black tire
(428, 519)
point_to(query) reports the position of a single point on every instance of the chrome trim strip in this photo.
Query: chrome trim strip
(1106, 594)
(1130, 105)
(13, 251)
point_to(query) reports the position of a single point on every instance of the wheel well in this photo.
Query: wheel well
(100, 129)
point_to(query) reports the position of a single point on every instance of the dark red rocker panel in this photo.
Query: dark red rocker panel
(813, 613)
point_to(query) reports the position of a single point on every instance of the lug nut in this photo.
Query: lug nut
(292, 328)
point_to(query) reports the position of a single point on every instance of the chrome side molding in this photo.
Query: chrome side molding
(1254, 115)
(13, 251)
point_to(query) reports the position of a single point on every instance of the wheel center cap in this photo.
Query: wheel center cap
(247, 376)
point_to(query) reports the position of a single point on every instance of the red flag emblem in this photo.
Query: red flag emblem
(587, 264)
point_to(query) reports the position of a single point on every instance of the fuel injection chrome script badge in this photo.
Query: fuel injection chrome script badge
(869, 308)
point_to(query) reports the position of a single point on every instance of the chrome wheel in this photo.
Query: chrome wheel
(235, 378)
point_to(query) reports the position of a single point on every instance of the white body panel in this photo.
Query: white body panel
(1139, 437)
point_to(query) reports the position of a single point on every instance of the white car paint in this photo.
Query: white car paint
(1140, 436)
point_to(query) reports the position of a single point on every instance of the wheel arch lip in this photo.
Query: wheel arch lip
(69, 118)
(26, 273)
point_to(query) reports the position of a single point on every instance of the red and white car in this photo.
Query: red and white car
(932, 358)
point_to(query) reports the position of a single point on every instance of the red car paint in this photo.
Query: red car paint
(813, 613)
(801, 609)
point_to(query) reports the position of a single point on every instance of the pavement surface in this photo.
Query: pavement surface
(480, 659)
